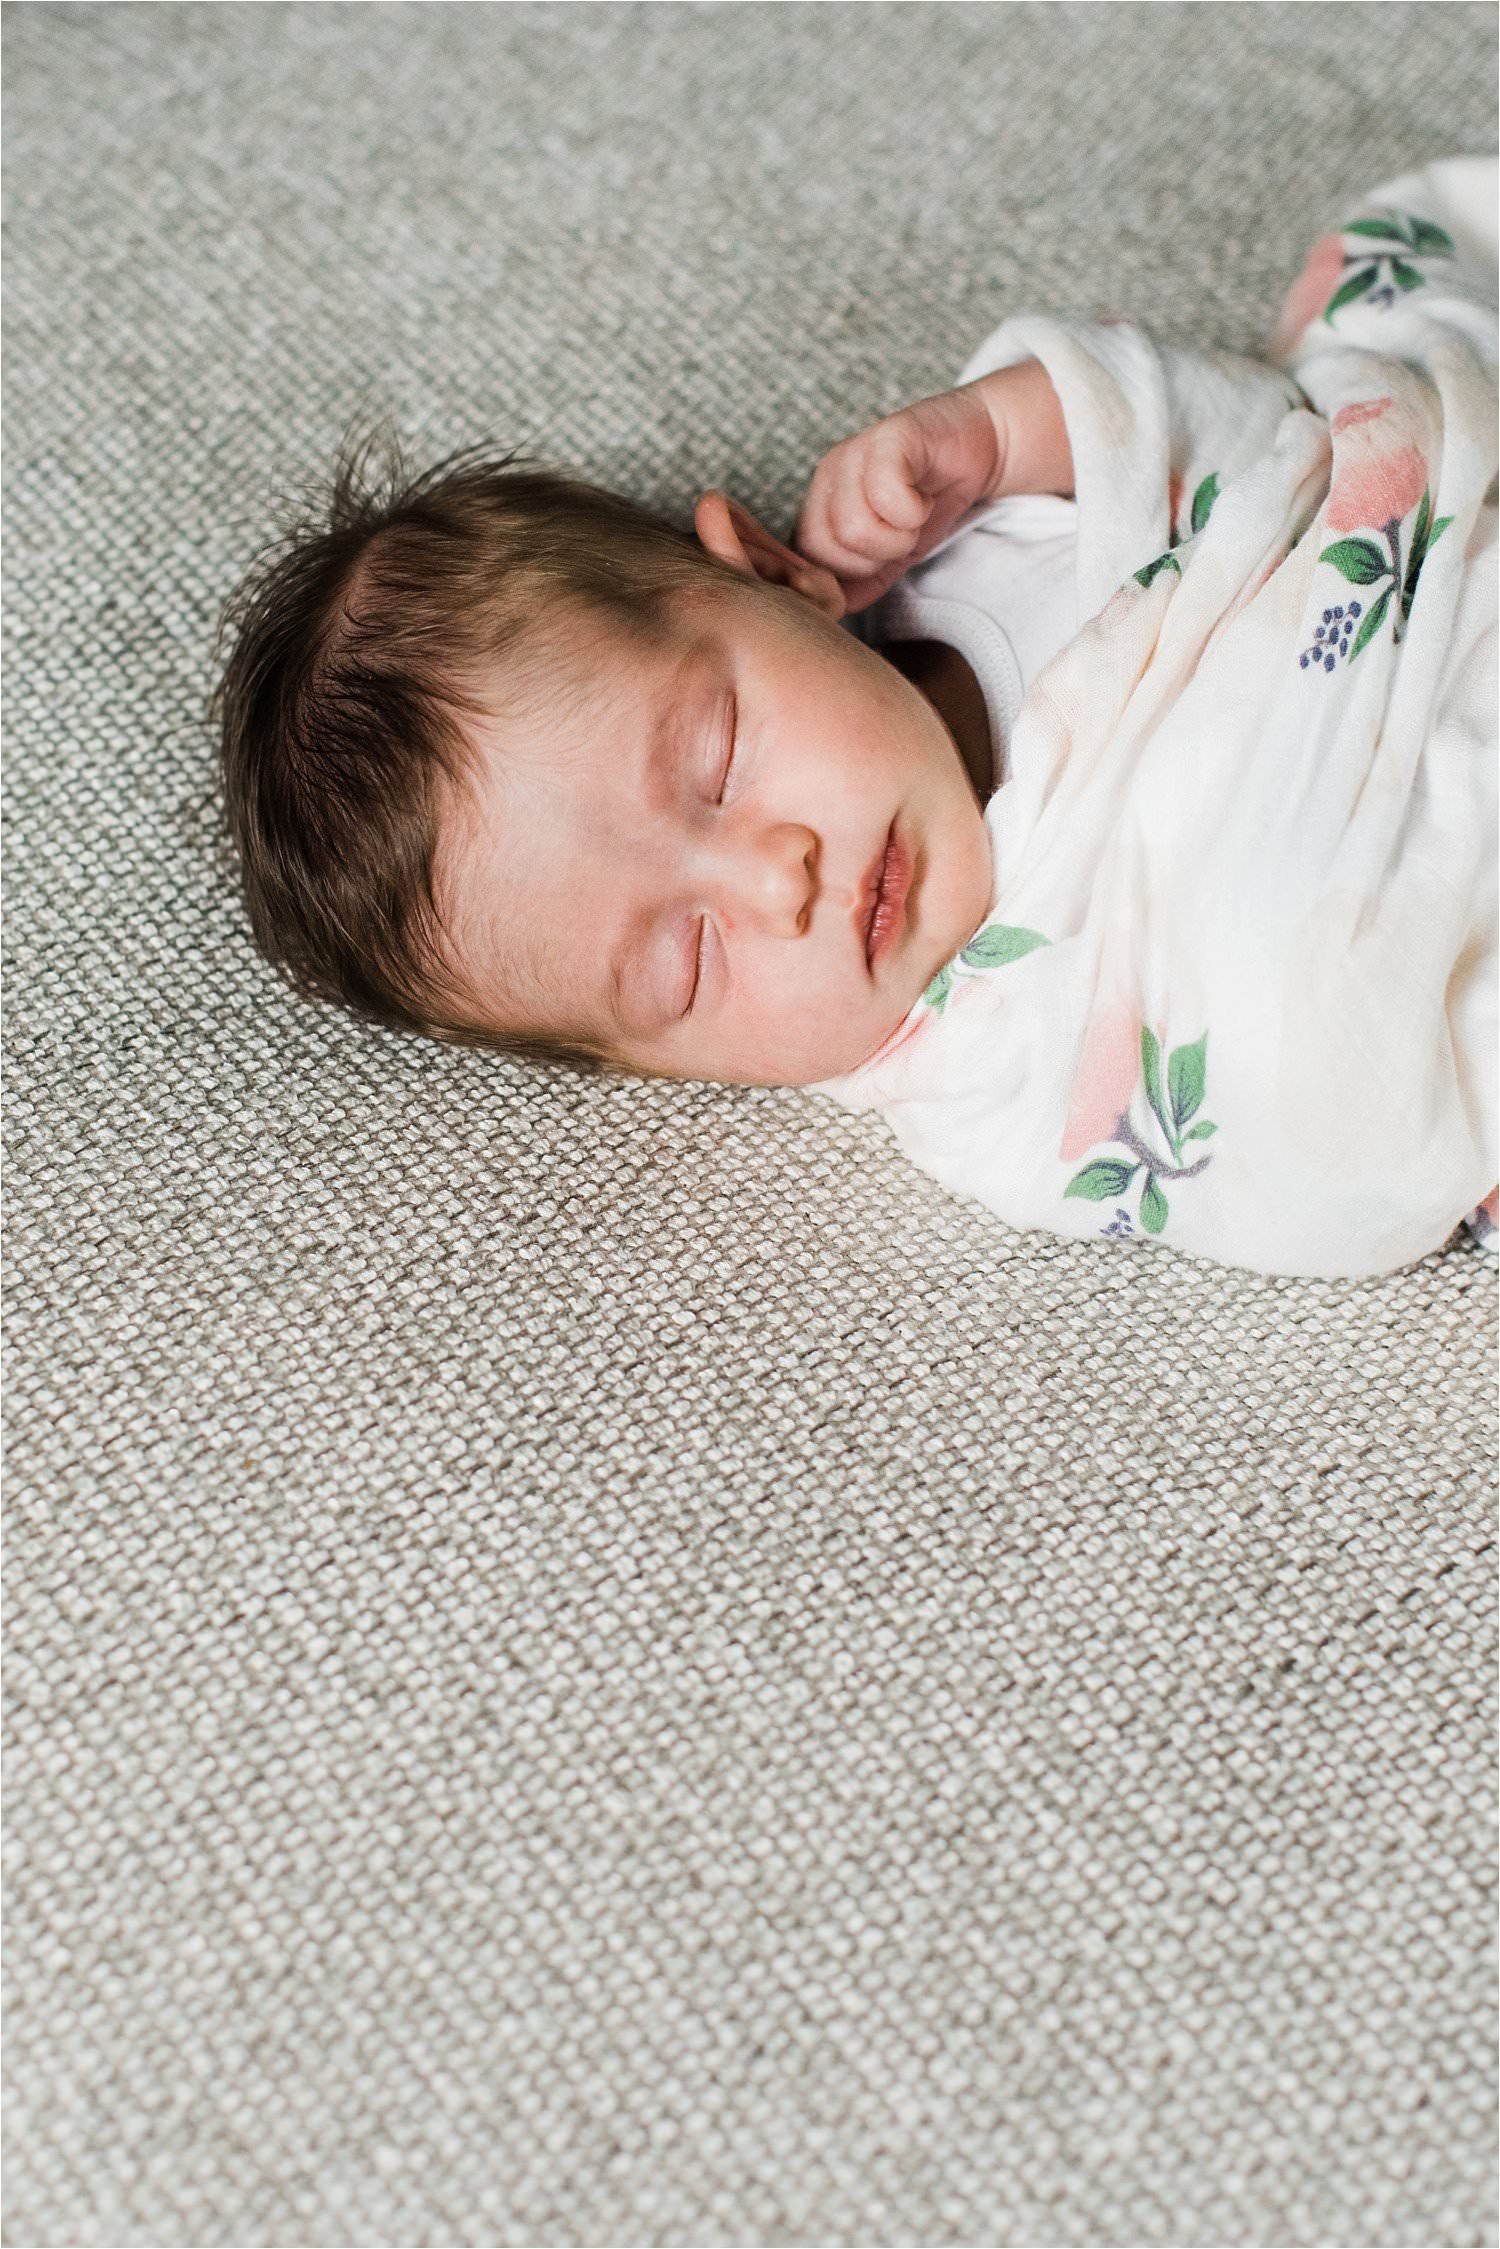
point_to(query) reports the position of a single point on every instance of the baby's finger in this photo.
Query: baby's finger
(891, 492)
(811, 532)
(860, 524)
(861, 531)
(847, 561)
(862, 577)
(859, 592)
(834, 475)
(824, 539)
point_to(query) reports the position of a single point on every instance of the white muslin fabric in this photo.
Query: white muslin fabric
(1236, 991)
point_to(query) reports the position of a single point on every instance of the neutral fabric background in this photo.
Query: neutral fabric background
(600, 1663)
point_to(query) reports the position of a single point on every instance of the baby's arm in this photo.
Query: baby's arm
(882, 499)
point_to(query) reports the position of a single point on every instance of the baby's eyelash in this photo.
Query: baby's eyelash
(697, 966)
(733, 745)
(733, 732)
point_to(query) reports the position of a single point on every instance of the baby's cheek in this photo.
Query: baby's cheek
(827, 1035)
(767, 1030)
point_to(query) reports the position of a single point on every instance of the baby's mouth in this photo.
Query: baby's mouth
(887, 884)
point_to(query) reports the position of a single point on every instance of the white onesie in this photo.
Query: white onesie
(1002, 589)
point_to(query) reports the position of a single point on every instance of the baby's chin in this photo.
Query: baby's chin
(840, 1056)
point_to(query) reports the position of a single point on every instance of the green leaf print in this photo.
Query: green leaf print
(1389, 241)
(1358, 560)
(1104, 1178)
(1203, 500)
(1423, 541)
(1355, 286)
(1000, 944)
(1371, 623)
(994, 946)
(1420, 527)
(1185, 1077)
(1380, 230)
(1433, 239)
(1144, 576)
(1364, 562)
(1151, 1074)
(937, 991)
(1100, 1180)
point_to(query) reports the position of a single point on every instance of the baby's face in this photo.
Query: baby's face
(678, 855)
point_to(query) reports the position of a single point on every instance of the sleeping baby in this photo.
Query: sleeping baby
(1101, 784)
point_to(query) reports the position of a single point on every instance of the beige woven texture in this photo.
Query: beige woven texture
(599, 1663)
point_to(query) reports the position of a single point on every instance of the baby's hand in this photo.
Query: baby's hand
(881, 500)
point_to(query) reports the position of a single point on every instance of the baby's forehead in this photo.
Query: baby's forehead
(593, 689)
(593, 695)
(494, 943)
(590, 667)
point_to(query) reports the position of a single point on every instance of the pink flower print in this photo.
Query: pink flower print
(1379, 470)
(1310, 291)
(1379, 478)
(1105, 1079)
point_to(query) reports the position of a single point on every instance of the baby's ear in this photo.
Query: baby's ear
(740, 539)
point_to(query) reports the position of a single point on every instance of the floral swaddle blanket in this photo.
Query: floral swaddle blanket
(1236, 992)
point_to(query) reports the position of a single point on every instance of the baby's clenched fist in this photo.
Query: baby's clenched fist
(881, 500)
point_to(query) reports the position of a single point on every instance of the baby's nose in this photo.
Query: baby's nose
(774, 877)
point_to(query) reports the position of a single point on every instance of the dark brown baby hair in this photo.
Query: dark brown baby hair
(356, 643)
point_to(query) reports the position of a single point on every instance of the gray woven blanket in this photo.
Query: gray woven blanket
(599, 1663)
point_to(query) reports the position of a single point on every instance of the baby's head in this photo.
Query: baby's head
(513, 761)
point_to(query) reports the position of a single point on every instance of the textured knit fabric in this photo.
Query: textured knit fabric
(603, 1663)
